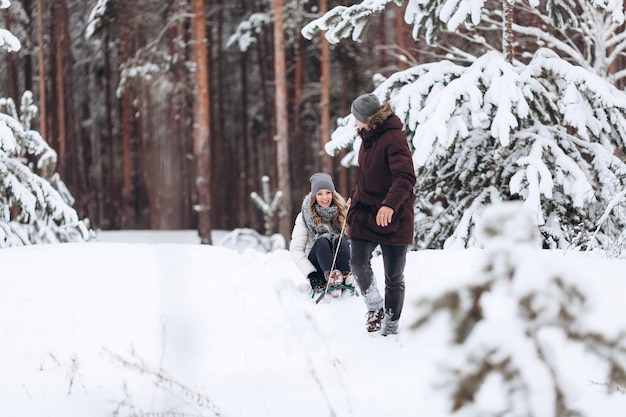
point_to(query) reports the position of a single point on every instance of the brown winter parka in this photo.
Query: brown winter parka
(386, 178)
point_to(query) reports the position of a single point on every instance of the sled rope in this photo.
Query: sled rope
(328, 287)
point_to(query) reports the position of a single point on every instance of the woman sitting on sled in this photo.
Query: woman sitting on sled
(317, 246)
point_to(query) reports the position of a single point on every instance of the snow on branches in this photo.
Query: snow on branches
(343, 22)
(544, 133)
(429, 17)
(35, 204)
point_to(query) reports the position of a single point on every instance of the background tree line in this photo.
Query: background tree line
(115, 82)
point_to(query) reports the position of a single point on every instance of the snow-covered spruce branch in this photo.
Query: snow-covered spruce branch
(33, 211)
(616, 247)
(35, 204)
(429, 17)
(616, 42)
(250, 28)
(594, 43)
(454, 53)
(550, 41)
(586, 102)
(247, 31)
(343, 22)
(8, 41)
(148, 62)
(16, 141)
(34, 195)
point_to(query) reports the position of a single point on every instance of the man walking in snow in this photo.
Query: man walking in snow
(381, 210)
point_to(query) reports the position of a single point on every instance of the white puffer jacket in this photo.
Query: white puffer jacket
(300, 247)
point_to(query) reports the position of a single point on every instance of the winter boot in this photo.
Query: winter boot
(335, 277)
(389, 326)
(374, 319)
(348, 279)
(318, 283)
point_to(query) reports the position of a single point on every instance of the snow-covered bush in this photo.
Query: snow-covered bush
(512, 340)
(35, 204)
(244, 238)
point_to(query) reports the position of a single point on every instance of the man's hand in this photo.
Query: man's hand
(384, 215)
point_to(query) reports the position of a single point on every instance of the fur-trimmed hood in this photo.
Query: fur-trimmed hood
(379, 117)
(381, 121)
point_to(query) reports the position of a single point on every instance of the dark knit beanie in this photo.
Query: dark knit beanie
(321, 181)
(364, 106)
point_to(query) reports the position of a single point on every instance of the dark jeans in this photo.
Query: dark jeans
(394, 260)
(323, 252)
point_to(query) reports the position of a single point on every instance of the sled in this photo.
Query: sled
(335, 287)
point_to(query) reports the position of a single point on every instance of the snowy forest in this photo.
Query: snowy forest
(168, 115)
(211, 115)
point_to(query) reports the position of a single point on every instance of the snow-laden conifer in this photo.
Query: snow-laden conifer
(544, 133)
(35, 204)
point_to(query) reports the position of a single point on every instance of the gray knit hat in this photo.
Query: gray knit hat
(321, 181)
(364, 106)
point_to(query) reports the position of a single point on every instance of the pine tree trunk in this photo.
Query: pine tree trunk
(507, 31)
(12, 82)
(402, 37)
(108, 142)
(52, 95)
(282, 151)
(265, 145)
(126, 123)
(382, 40)
(327, 163)
(27, 60)
(202, 148)
(185, 127)
(175, 166)
(69, 139)
(248, 167)
(301, 155)
(60, 90)
(222, 163)
(43, 113)
(249, 158)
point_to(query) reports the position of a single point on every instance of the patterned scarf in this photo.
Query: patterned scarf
(327, 214)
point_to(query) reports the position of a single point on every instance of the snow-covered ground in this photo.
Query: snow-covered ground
(152, 322)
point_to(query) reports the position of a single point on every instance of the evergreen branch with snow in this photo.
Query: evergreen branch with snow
(430, 17)
(35, 204)
(251, 27)
(544, 133)
(247, 31)
(343, 22)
